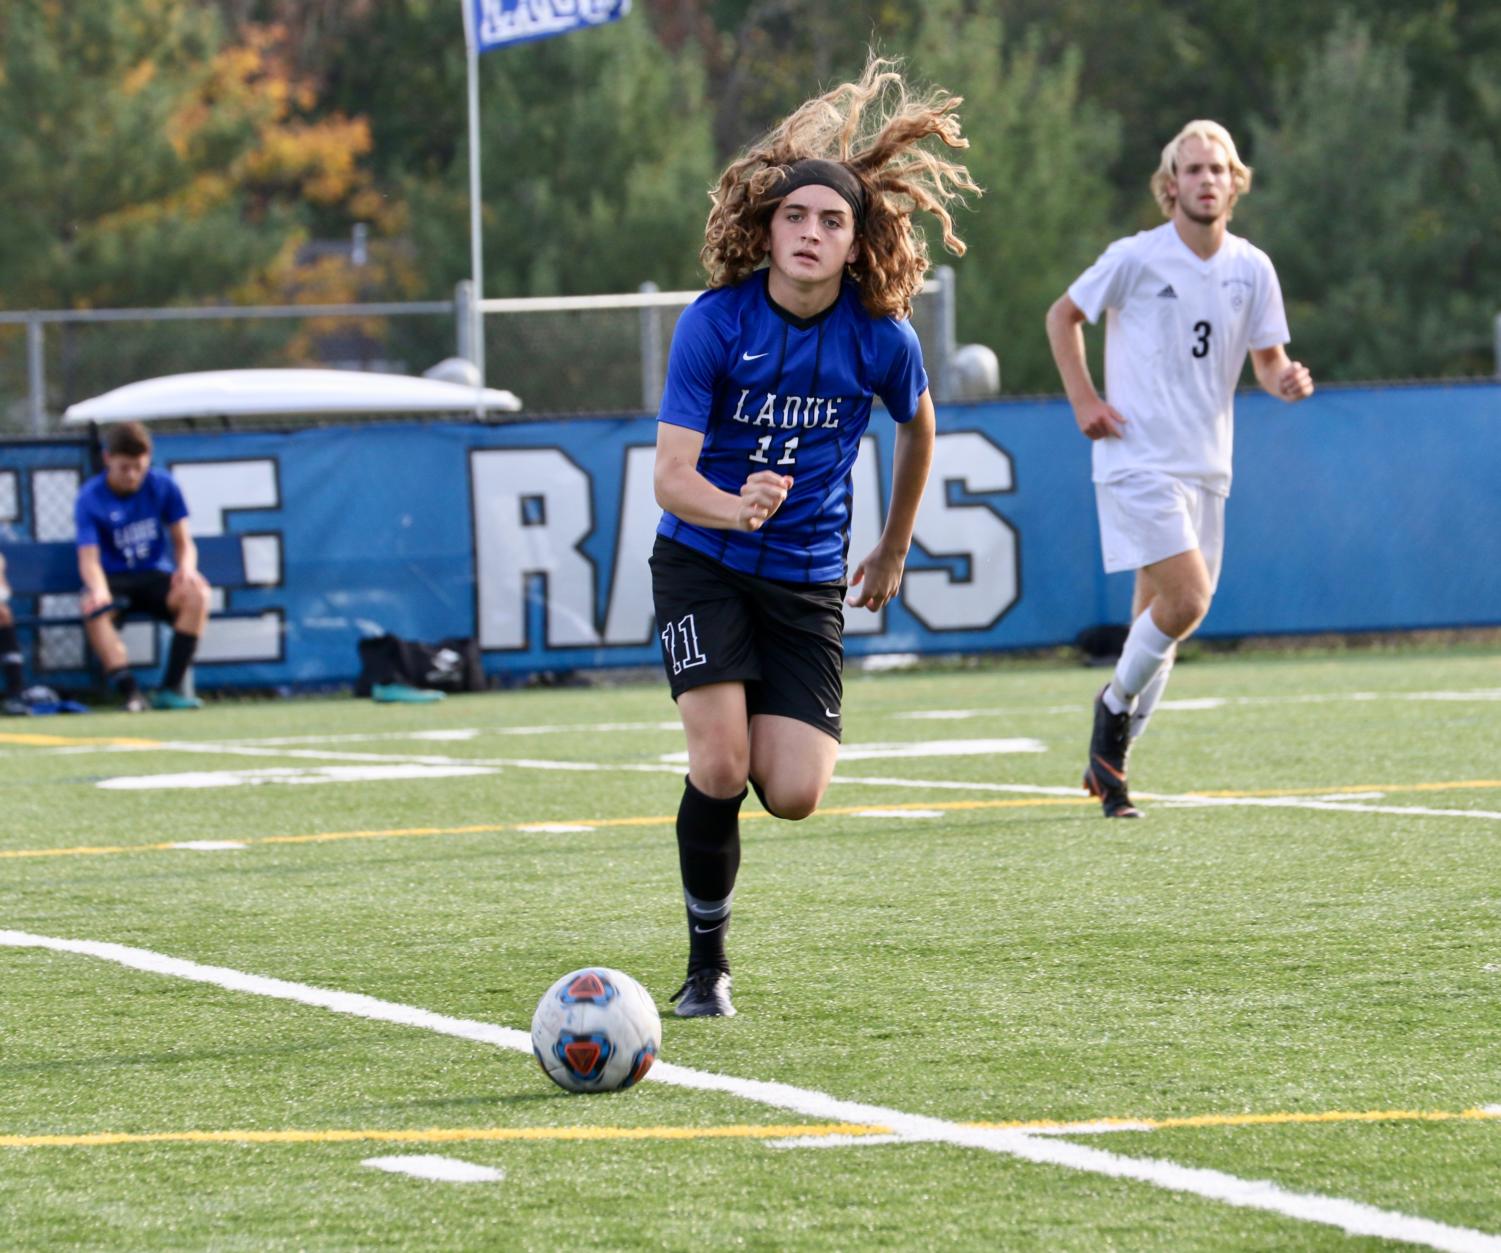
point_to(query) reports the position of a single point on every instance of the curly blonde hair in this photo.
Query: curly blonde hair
(873, 126)
(1165, 180)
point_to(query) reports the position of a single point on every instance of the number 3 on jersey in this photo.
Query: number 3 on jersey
(761, 456)
(1201, 345)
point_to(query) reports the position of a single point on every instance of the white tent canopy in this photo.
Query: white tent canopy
(285, 393)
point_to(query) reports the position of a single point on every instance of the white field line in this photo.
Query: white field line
(481, 764)
(1350, 1216)
(954, 785)
(462, 733)
(435, 1167)
(1344, 807)
(920, 748)
(1189, 704)
(217, 748)
(832, 1142)
(852, 752)
(288, 775)
(840, 1142)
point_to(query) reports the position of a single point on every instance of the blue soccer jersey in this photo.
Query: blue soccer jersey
(131, 531)
(772, 391)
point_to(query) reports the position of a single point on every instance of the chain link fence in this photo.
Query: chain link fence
(608, 354)
(567, 355)
(51, 359)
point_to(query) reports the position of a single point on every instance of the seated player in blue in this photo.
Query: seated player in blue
(135, 553)
(10, 652)
(812, 262)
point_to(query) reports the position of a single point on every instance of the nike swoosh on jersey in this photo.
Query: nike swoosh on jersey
(830, 713)
(746, 356)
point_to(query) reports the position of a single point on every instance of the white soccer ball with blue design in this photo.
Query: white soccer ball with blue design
(596, 1030)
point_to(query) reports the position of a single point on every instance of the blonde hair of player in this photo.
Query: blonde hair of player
(1165, 181)
(874, 126)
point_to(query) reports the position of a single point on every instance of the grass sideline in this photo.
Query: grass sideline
(1294, 980)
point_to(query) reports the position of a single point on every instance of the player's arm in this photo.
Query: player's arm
(877, 579)
(184, 551)
(1280, 377)
(1065, 323)
(684, 492)
(95, 595)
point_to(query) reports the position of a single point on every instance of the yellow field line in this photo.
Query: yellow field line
(492, 828)
(439, 1135)
(450, 1135)
(73, 741)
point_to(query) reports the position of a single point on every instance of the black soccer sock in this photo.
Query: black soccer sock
(179, 658)
(124, 682)
(709, 858)
(10, 661)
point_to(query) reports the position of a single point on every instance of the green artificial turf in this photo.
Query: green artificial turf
(974, 952)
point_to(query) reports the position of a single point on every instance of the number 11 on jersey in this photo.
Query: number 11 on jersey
(763, 448)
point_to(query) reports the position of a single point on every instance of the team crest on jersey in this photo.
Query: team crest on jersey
(1240, 288)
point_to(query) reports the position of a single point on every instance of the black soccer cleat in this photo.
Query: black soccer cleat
(705, 994)
(1105, 775)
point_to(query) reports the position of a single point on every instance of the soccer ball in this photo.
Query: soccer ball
(596, 1030)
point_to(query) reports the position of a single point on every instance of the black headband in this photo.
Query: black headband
(831, 174)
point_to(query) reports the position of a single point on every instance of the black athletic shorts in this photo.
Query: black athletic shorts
(784, 641)
(141, 592)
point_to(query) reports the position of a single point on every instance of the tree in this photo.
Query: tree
(146, 161)
(1382, 218)
(596, 165)
(114, 163)
(1041, 152)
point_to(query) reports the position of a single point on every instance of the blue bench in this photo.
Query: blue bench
(44, 568)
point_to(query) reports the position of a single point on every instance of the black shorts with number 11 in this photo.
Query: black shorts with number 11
(784, 641)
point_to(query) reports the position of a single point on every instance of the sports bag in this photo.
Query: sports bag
(450, 665)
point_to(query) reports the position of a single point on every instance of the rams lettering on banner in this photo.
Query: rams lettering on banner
(534, 515)
(533, 537)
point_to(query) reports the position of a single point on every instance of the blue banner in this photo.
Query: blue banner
(501, 22)
(1362, 509)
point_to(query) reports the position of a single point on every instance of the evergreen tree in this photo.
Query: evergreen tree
(1041, 153)
(116, 156)
(596, 165)
(1382, 218)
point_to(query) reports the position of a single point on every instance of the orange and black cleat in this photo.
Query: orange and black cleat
(1105, 775)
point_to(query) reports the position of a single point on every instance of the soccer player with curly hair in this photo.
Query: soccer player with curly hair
(813, 260)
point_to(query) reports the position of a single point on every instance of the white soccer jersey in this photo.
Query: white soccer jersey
(1176, 338)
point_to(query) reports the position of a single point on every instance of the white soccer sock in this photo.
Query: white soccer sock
(1149, 697)
(1146, 651)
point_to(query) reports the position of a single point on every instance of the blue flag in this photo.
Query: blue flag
(501, 22)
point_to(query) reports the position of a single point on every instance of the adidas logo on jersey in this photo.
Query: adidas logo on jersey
(1168, 292)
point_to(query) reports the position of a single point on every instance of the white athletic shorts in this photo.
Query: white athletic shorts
(1147, 517)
